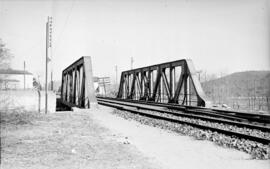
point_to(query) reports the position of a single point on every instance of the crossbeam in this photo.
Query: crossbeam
(171, 82)
(77, 89)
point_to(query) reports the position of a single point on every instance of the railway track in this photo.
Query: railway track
(157, 111)
(262, 119)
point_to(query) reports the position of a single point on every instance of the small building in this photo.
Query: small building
(15, 79)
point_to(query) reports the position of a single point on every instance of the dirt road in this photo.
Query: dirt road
(64, 140)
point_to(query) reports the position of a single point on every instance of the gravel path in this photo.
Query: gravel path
(175, 151)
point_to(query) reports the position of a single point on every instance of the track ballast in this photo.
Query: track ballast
(258, 133)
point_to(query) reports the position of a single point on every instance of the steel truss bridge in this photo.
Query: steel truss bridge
(77, 89)
(171, 82)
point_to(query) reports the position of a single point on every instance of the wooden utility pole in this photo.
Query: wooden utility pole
(131, 62)
(254, 94)
(51, 80)
(24, 75)
(199, 73)
(104, 86)
(116, 75)
(48, 45)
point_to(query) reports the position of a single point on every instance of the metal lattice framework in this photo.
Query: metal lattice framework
(171, 82)
(77, 84)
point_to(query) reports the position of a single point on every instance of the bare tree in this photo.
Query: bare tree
(5, 60)
(5, 56)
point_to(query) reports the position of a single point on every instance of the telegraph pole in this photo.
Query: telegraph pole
(24, 75)
(48, 45)
(205, 76)
(254, 95)
(116, 74)
(131, 62)
(51, 80)
(199, 72)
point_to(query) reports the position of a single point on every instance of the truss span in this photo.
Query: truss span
(171, 82)
(77, 89)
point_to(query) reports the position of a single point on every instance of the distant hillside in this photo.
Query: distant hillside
(241, 84)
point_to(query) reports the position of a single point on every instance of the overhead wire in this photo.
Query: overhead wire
(65, 25)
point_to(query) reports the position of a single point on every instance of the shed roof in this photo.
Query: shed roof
(14, 72)
(9, 80)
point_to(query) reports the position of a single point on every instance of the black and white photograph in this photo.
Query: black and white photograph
(135, 84)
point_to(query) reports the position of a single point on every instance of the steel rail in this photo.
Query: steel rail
(195, 112)
(226, 132)
(179, 114)
(180, 108)
(231, 115)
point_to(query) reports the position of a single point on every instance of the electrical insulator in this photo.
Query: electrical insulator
(49, 23)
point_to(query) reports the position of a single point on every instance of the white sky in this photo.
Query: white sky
(218, 35)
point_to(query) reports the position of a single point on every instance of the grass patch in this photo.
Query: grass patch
(18, 117)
